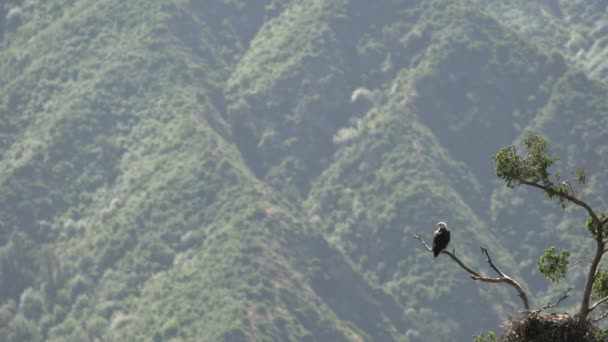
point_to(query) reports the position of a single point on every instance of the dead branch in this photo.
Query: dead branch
(601, 317)
(559, 300)
(580, 262)
(603, 300)
(502, 277)
(489, 260)
(506, 279)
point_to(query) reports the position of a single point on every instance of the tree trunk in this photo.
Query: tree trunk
(599, 252)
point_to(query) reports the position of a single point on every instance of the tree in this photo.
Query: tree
(22, 329)
(532, 169)
(32, 304)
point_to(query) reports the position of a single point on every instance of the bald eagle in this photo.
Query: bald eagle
(441, 238)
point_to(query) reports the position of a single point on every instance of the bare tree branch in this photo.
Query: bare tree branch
(503, 278)
(601, 317)
(603, 300)
(489, 260)
(506, 279)
(579, 262)
(451, 254)
(419, 238)
(559, 300)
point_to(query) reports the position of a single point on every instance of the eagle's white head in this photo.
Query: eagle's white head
(441, 225)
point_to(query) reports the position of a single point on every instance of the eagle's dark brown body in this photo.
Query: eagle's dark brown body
(441, 238)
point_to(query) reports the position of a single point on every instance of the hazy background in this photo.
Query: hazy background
(254, 170)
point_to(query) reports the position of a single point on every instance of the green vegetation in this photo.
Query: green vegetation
(532, 169)
(482, 338)
(254, 170)
(554, 265)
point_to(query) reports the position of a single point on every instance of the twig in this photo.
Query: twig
(503, 278)
(564, 296)
(419, 238)
(506, 279)
(579, 262)
(489, 260)
(601, 317)
(603, 300)
(452, 255)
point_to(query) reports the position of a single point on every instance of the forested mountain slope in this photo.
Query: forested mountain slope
(577, 29)
(254, 170)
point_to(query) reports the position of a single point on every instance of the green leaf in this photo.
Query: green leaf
(554, 265)
(533, 167)
(581, 175)
(600, 285)
(482, 338)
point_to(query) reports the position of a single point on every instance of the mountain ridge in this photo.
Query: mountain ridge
(240, 171)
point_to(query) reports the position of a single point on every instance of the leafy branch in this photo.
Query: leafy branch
(554, 265)
(533, 170)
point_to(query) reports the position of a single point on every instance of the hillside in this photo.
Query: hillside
(254, 170)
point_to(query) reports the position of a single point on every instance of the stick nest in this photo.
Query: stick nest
(554, 327)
